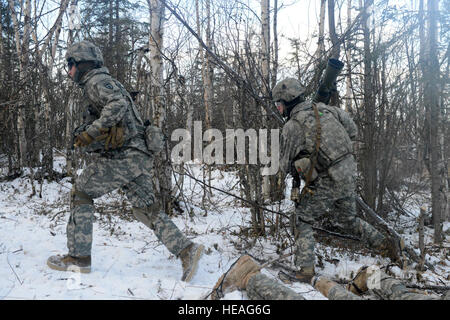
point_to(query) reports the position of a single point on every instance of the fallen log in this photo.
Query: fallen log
(383, 225)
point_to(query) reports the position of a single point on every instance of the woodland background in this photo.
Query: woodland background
(216, 62)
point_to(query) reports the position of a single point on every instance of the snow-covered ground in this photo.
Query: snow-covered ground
(129, 262)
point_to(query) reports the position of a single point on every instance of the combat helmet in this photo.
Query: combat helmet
(84, 51)
(287, 90)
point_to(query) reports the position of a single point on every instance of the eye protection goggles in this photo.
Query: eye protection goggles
(70, 63)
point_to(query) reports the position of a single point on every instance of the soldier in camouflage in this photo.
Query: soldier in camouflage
(113, 129)
(375, 279)
(332, 184)
(245, 274)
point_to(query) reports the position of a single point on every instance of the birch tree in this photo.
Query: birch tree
(431, 101)
(74, 26)
(157, 110)
(321, 37)
(46, 74)
(265, 71)
(368, 157)
(23, 52)
(207, 80)
(348, 55)
(275, 44)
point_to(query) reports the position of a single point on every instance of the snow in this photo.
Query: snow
(128, 261)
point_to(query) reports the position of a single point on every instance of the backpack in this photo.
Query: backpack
(335, 141)
(154, 138)
(335, 145)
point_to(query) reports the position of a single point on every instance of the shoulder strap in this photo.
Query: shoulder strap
(315, 153)
(130, 100)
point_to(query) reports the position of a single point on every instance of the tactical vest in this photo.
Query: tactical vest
(131, 122)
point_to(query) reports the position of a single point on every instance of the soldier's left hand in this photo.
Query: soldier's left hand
(83, 139)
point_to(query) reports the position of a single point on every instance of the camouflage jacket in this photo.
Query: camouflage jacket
(106, 103)
(298, 137)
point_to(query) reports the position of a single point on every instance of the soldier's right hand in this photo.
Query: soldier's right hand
(83, 139)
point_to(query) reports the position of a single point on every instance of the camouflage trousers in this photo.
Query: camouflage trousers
(261, 287)
(394, 289)
(328, 198)
(387, 287)
(130, 171)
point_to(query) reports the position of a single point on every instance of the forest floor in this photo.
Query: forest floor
(130, 263)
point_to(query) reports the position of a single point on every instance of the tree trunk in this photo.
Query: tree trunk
(71, 160)
(368, 158)
(163, 177)
(335, 50)
(422, 152)
(422, 237)
(371, 216)
(321, 40)
(445, 155)
(46, 74)
(265, 70)
(335, 47)
(22, 49)
(207, 77)
(431, 100)
(275, 44)
(277, 182)
(348, 55)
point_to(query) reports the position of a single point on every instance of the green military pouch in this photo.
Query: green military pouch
(154, 138)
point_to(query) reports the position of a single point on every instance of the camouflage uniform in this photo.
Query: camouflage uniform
(373, 279)
(394, 289)
(245, 274)
(261, 287)
(108, 104)
(332, 290)
(333, 191)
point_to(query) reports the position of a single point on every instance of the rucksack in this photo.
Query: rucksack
(335, 142)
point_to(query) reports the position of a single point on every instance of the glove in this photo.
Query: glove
(83, 139)
(113, 136)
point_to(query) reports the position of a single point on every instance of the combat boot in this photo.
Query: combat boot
(69, 263)
(236, 277)
(189, 260)
(305, 274)
(359, 283)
